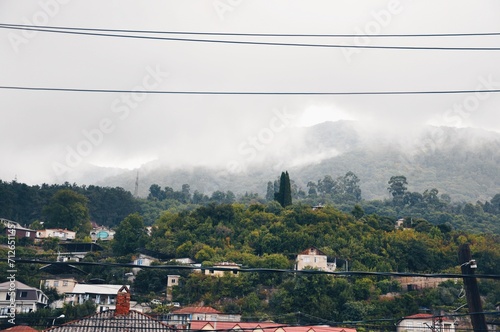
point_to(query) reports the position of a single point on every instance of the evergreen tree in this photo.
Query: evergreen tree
(270, 191)
(284, 195)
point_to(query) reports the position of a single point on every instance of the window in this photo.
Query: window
(47, 284)
(7, 296)
(56, 283)
(65, 283)
(24, 294)
(173, 281)
(28, 234)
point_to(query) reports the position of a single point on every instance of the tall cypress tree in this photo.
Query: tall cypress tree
(287, 191)
(284, 195)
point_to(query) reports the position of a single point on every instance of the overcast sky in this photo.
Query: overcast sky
(47, 135)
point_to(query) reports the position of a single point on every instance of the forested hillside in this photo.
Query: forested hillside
(463, 163)
(267, 235)
(109, 206)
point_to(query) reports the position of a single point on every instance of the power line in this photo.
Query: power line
(459, 34)
(261, 270)
(185, 92)
(240, 42)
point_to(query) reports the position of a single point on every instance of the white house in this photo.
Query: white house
(313, 258)
(26, 299)
(103, 295)
(425, 323)
(62, 234)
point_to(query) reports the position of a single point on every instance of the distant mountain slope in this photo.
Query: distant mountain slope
(464, 163)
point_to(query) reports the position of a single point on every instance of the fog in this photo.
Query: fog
(53, 136)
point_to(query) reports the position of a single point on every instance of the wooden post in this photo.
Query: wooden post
(471, 289)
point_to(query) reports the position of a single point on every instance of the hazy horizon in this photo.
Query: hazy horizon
(50, 136)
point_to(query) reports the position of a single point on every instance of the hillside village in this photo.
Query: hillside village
(273, 265)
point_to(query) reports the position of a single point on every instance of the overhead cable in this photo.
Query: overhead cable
(328, 35)
(245, 42)
(262, 270)
(186, 92)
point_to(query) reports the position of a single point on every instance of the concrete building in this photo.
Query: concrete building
(425, 323)
(232, 269)
(313, 258)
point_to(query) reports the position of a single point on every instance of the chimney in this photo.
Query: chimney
(122, 301)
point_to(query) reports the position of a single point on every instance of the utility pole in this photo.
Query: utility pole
(136, 190)
(468, 266)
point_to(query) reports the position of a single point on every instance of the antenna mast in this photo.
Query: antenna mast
(136, 190)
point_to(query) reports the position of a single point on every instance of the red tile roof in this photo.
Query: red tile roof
(196, 310)
(264, 326)
(419, 316)
(20, 328)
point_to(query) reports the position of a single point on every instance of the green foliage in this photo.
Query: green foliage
(130, 235)
(68, 209)
(284, 194)
(266, 235)
(397, 188)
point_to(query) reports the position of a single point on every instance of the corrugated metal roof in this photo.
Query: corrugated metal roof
(107, 321)
(96, 289)
(19, 285)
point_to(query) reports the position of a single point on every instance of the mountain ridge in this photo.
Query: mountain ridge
(461, 162)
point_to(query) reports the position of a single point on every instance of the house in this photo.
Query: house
(103, 295)
(26, 299)
(62, 286)
(313, 258)
(172, 281)
(183, 317)
(61, 277)
(425, 322)
(142, 260)
(101, 233)
(227, 268)
(14, 229)
(417, 283)
(122, 318)
(76, 251)
(61, 234)
(261, 327)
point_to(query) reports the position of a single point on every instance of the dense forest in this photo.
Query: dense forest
(261, 232)
(109, 206)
